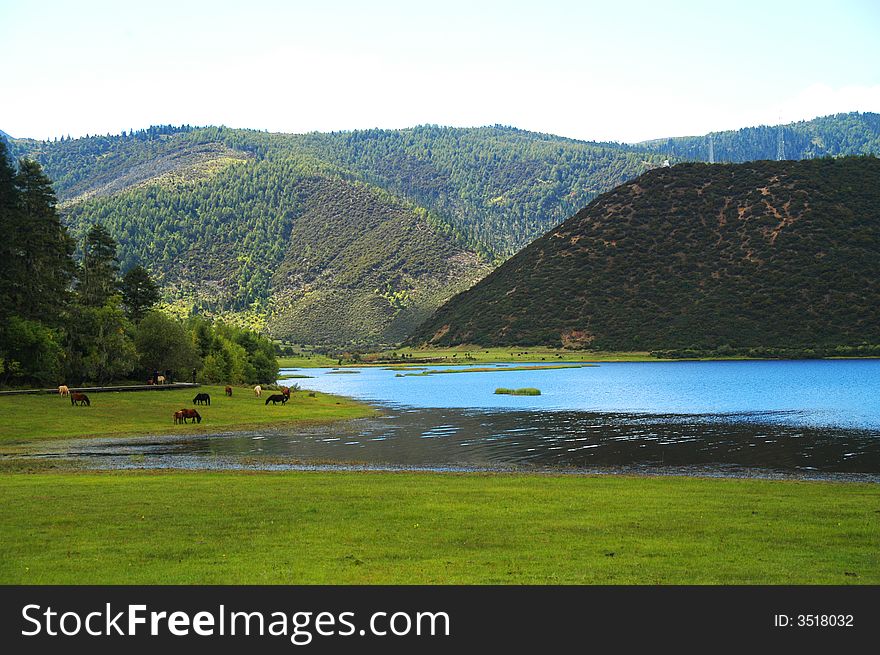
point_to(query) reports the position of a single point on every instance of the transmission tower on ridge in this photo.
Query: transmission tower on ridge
(780, 144)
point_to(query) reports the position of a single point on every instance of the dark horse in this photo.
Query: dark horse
(183, 414)
(79, 399)
(228, 391)
(276, 398)
(202, 399)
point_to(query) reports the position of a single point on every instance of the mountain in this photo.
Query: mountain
(841, 134)
(240, 223)
(322, 259)
(694, 256)
(324, 238)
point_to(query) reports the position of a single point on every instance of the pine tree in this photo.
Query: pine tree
(40, 266)
(139, 292)
(100, 267)
(8, 211)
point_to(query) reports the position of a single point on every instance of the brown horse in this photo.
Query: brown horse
(79, 399)
(183, 414)
(285, 391)
(193, 414)
(228, 391)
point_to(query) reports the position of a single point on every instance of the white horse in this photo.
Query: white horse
(258, 391)
(63, 390)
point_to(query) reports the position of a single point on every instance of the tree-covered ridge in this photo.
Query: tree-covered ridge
(498, 187)
(227, 220)
(763, 254)
(841, 134)
(78, 165)
(493, 188)
(288, 239)
(80, 320)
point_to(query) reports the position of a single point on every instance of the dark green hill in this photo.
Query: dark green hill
(764, 254)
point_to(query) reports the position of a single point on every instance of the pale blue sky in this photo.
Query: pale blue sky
(622, 71)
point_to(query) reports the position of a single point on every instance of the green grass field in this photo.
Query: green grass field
(401, 528)
(25, 419)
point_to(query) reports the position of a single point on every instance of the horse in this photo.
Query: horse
(228, 391)
(63, 390)
(79, 399)
(276, 398)
(178, 417)
(160, 379)
(202, 399)
(285, 391)
(258, 391)
(184, 414)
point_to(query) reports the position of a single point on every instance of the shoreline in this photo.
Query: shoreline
(102, 461)
(453, 357)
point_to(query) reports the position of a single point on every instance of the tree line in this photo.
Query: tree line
(69, 314)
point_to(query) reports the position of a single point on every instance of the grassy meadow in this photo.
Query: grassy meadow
(29, 418)
(175, 527)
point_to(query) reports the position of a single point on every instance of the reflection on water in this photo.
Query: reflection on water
(451, 437)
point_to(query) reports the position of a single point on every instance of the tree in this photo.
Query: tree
(100, 267)
(99, 344)
(139, 293)
(163, 343)
(8, 218)
(29, 353)
(40, 266)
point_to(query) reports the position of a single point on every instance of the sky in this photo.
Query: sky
(608, 71)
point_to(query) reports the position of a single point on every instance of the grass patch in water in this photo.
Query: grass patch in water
(525, 391)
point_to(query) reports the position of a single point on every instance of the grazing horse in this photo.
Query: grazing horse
(160, 379)
(183, 414)
(79, 399)
(276, 398)
(258, 391)
(285, 391)
(193, 414)
(63, 390)
(202, 399)
(228, 391)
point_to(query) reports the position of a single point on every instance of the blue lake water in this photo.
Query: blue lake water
(817, 393)
(804, 418)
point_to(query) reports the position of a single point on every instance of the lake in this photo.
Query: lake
(803, 418)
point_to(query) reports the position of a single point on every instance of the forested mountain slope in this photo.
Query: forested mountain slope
(841, 134)
(280, 230)
(763, 254)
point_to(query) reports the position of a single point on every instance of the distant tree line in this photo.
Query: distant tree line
(80, 320)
